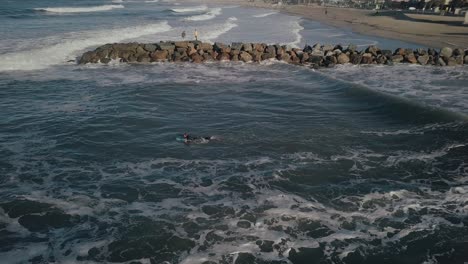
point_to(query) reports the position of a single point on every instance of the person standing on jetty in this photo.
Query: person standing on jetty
(196, 34)
(183, 34)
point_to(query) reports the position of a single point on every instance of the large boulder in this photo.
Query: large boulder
(367, 58)
(351, 48)
(423, 59)
(236, 46)
(446, 52)
(315, 59)
(224, 57)
(204, 46)
(270, 49)
(247, 47)
(411, 58)
(196, 58)
(181, 44)
(326, 48)
(373, 50)
(397, 58)
(284, 57)
(343, 58)
(466, 59)
(355, 58)
(245, 56)
(159, 55)
(166, 46)
(260, 47)
(149, 47)
(400, 51)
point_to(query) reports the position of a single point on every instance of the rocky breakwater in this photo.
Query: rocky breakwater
(316, 55)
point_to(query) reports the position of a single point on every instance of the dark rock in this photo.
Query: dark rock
(367, 58)
(338, 47)
(247, 47)
(271, 50)
(316, 59)
(397, 58)
(237, 46)
(217, 210)
(386, 53)
(107, 60)
(265, 245)
(432, 52)
(381, 59)
(307, 49)
(304, 57)
(458, 52)
(400, 51)
(149, 47)
(421, 51)
(42, 223)
(243, 224)
(441, 62)
(19, 208)
(355, 58)
(166, 46)
(267, 56)
(373, 50)
(245, 258)
(305, 255)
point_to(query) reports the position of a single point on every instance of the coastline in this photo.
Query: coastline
(427, 30)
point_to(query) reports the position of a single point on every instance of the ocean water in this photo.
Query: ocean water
(344, 165)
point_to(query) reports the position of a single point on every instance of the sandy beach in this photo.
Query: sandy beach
(427, 30)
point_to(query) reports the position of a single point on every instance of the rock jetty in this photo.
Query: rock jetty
(316, 56)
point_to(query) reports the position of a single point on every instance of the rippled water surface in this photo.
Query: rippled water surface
(344, 165)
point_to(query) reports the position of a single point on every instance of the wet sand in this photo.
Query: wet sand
(426, 30)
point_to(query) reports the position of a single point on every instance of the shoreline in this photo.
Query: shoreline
(432, 31)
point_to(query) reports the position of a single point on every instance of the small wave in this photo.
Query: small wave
(190, 9)
(296, 29)
(265, 14)
(79, 9)
(218, 31)
(59, 53)
(212, 13)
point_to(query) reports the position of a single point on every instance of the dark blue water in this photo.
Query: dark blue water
(347, 165)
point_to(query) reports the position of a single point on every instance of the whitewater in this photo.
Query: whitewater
(342, 165)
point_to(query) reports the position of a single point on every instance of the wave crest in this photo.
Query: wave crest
(212, 13)
(79, 9)
(190, 9)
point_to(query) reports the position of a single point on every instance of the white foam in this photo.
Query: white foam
(265, 14)
(67, 50)
(190, 9)
(79, 9)
(296, 29)
(219, 30)
(212, 13)
(441, 86)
